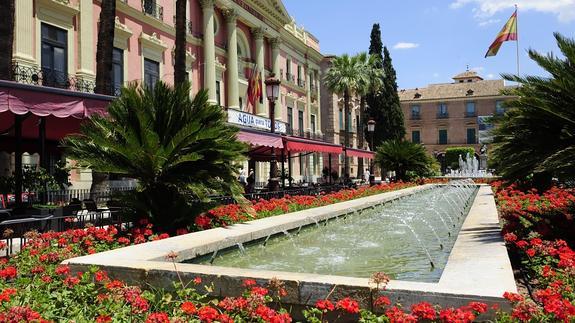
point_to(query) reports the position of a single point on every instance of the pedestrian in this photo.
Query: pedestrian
(242, 178)
(366, 175)
(251, 181)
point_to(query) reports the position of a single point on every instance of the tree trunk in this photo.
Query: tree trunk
(104, 52)
(346, 98)
(360, 135)
(180, 51)
(6, 38)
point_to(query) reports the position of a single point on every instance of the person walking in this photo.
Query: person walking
(366, 175)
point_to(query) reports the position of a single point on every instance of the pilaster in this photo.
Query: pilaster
(233, 78)
(275, 45)
(209, 49)
(86, 41)
(24, 34)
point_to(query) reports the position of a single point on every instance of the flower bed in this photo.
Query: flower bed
(538, 229)
(234, 213)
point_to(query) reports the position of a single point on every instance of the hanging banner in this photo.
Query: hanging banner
(249, 120)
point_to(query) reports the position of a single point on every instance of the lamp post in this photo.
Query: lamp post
(371, 130)
(273, 91)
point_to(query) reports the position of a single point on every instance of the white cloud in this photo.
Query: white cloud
(490, 76)
(484, 9)
(403, 45)
(488, 22)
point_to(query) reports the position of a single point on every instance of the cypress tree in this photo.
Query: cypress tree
(383, 105)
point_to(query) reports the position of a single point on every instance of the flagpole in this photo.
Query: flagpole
(517, 36)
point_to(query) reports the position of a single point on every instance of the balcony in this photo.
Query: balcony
(151, 8)
(442, 115)
(189, 29)
(44, 77)
(470, 114)
(415, 116)
(300, 82)
(290, 77)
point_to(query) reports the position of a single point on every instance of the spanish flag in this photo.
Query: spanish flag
(509, 32)
(254, 87)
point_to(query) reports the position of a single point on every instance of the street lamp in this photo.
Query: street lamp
(371, 130)
(273, 92)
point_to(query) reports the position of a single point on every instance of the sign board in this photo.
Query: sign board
(249, 120)
(485, 129)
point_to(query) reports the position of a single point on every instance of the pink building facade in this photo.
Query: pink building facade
(227, 41)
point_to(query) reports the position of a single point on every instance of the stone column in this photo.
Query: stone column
(24, 34)
(275, 44)
(233, 87)
(209, 49)
(86, 41)
(308, 97)
(318, 85)
(258, 34)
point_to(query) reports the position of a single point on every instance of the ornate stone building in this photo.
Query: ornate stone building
(227, 41)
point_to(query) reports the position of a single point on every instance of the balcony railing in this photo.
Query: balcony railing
(290, 77)
(469, 114)
(189, 29)
(442, 115)
(151, 8)
(45, 77)
(415, 116)
(301, 82)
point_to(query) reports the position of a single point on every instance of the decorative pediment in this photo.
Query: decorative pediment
(153, 41)
(121, 34)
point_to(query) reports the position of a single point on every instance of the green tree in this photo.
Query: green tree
(6, 38)
(407, 159)
(383, 103)
(348, 76)
(536, 137)
(179, 149)
(452, 155)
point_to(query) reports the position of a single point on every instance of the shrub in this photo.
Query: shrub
(452, 155)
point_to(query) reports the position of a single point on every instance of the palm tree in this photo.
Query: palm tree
(537, 135)
(347, 76)
(179, 149)
(6, 38)
(405, 157)
(372, 83)
(180, 50)
(104, 56)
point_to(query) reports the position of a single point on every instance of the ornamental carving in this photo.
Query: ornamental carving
(207, 4)
(230, 15)
(258, 33)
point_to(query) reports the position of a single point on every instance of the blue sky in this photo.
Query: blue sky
(439, 37)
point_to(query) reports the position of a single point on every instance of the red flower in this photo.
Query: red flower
(158, 318)
(513, 297)
(6, 294)
(249, 282)
(62, 270)
(9, 272)
(203, 222)
(115, 284)
(530, 252)
(208, 314)
(124, 241)
(478, 307)
(198, 280)
(188, 308)
(103, 319)
(100, 276)
(423, 310)
(348, 305)
(382, 301)
(324, 305)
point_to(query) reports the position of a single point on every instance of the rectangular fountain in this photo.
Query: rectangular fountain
(440, 243)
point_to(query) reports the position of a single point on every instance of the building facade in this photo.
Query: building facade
(452, 114)
(227, 41)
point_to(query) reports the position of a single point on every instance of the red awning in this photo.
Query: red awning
(258, 138)
(308, 145)
(43, 101)
(360, 153)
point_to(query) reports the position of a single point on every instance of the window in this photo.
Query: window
(341, 120)
(241, 104)
(471, 138)
(117, 70)
(442, 111)
(443, 137)
(312, 122)
(349, 122)
(151, 73)
(218, 93)
(290, 120)
(288, 69)
(299, 73)
(54, 56)
(415, 112)
(301, 164)
(415, 137)
(300, 122)
(499, 109)
(470, 109)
